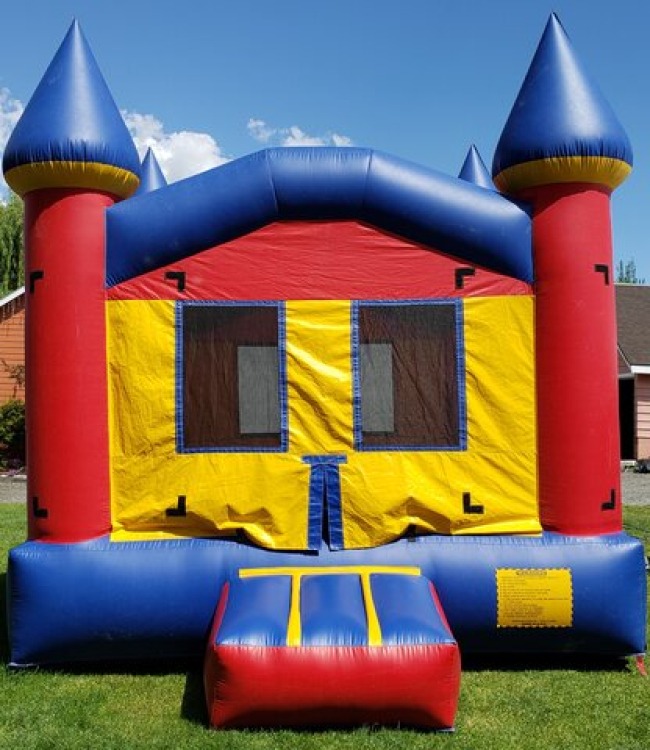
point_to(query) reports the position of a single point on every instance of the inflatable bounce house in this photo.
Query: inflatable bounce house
(326, 417)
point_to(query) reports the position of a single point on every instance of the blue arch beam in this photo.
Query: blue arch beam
(444, 213)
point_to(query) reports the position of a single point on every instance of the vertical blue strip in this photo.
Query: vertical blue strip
(179, 379)
(460, 374)
(356, 376)
(316, 493)
(282, 376)
(334, 510)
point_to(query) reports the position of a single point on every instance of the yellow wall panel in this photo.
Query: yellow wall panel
(500, 374)
(141, 350)
(319, 377)
(266, 494)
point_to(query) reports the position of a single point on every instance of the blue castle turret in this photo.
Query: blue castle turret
(71, 133)
(475, 171)
(151, 176)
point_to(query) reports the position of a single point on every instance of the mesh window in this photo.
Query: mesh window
(408, 379)
(231, 377)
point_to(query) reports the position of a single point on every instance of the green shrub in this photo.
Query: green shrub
(12, 434)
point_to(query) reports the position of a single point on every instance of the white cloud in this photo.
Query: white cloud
(180, 154)
(341, 140)
(10, 111)
(259, 130)
(292, 136)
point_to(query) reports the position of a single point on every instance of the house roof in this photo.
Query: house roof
(12, 296)
(633, 316)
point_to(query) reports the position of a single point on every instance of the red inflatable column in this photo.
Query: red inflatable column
(579, 453)
(564, 151)
(70, 157)
(67, 423)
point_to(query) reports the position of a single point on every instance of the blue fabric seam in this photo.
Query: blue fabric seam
(179, 379)
(334, 507)
(316, 490)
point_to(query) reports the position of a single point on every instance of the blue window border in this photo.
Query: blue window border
(460, 374)
(180, 383)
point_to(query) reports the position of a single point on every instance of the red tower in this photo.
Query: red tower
(59, 161)
(563, 151)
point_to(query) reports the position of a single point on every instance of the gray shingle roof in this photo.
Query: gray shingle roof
(633, 320)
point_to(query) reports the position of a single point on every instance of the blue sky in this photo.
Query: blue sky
(205, 81)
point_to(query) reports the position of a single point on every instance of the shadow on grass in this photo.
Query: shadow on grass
(544, 662)
(193, 707)
(136, 666)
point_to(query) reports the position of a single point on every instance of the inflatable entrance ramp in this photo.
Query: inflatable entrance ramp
(331, 647)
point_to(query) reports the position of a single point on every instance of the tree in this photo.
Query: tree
(626, 273)
(12, 434)
(12, 252)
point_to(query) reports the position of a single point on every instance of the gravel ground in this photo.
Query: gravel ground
(12, 490)
(636, 489)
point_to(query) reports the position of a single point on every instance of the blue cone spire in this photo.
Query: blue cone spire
(71, 133)
(475, 171)
(561, 128)
(151, 176)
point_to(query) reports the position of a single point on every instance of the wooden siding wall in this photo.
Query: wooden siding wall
(642, 397)
(12, 346)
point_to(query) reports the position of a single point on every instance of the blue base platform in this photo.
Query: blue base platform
(100, 600)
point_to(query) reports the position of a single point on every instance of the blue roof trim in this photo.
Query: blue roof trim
(71, 116)
(455, 217)
(560, 111)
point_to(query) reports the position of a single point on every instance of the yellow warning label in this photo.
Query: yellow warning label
(534, 598)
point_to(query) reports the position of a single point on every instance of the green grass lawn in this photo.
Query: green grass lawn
(565, 705)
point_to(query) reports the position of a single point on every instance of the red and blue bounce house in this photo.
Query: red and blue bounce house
(325, 416)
